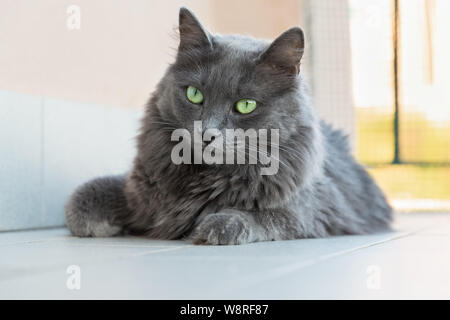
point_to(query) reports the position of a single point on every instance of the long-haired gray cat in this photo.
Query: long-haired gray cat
(233, 82)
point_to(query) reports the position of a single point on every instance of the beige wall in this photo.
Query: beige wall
(122, 47)
(259, 18)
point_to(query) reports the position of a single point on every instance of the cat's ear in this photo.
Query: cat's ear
(192, 34)
(285, 52)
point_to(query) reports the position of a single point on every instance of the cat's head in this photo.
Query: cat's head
(213, 73)
(237, 82)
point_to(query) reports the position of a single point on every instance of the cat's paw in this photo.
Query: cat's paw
(222, 229)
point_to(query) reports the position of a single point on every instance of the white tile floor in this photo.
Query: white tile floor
(412, 262)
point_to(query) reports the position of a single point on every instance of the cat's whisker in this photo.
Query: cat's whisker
(253, 157)
(162, 122)
(288, 150)
(259, 152)
(291, 152)
(271, 156)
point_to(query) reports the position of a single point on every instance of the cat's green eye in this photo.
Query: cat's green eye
(245, 106)
(194, 95)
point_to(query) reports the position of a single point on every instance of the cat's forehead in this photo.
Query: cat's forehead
(226, 70)
(230, 68)
(234, 55)
(239, 43)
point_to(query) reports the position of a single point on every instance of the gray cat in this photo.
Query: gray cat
(318, 191)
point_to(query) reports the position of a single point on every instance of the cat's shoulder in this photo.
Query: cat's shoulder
(335, 137)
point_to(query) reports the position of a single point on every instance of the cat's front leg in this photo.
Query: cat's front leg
(227, 227)
(232, 226)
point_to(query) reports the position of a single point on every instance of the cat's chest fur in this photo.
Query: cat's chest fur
(170, 201)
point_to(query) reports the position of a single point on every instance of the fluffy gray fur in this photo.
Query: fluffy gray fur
(319, 190)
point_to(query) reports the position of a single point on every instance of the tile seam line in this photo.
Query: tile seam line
(43, 214)
(63, 266)
(146, 253)
(279, 272)
(32, 229)
(351, 250)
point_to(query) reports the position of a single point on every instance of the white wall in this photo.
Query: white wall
(49, 146)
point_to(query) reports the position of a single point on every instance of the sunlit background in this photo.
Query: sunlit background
(418, 177)
(70, 98)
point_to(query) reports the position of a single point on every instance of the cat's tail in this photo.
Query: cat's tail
(95, 208)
